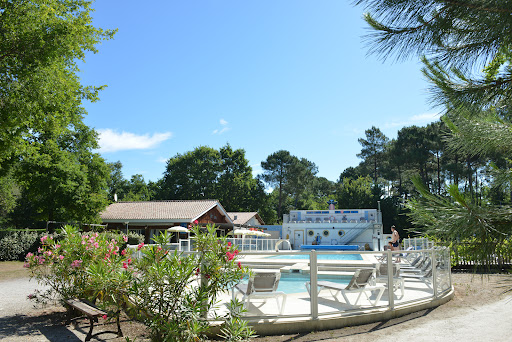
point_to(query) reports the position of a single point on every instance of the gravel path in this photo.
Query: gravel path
(476, 313)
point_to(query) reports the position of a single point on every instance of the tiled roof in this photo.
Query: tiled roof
(157, 210)
(242, 217)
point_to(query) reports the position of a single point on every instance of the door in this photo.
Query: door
(298, 238)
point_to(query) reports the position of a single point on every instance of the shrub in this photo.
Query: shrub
(174, 292)
(16, 244)
(91, 265)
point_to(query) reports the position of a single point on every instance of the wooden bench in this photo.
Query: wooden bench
(91, 312)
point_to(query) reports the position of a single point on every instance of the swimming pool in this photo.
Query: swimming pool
(319, 257)
(295, 282)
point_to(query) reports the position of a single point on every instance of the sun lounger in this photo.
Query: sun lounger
(262, 285)
(360, 283)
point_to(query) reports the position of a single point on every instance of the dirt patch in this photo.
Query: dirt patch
(474, 294)
(13, 270)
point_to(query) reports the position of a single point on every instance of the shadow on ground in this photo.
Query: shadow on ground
(52, 326)
(347, 332)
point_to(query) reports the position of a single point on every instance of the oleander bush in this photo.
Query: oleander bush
(174, 292)
(91, 265)
(171, 292)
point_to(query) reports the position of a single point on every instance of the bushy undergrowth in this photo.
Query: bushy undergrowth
(174, 293)
(16, 244)
(170, 292)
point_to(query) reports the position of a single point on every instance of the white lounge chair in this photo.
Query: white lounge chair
(262, 285)
(382, 276)
(359, 283)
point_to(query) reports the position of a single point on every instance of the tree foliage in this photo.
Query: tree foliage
(40, 44)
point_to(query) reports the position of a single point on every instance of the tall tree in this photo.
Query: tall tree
(373, 150)
(275, 172)
(301, 175)
(137, 189)
(40, 45)
(456, 38)
(192, 175)
(62, 178)
(117, 185)
(236, 184)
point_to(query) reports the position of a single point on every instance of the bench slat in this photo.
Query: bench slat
(85, 308)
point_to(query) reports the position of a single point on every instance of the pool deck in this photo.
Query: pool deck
(334, 312)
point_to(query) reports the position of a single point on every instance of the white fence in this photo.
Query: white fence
(417, 243)
(259, 245)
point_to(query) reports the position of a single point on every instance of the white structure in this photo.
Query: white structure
(334, 226)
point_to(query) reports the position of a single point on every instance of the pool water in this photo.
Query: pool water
(295, 282)
(320, 257)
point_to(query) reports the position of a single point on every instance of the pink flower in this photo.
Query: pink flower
(61, 257)
(123, 252)
(239, 264)
(125, 238)
(76, 263)
(196, 221)
(230, 256)
(129, 261)
(96, 245)
(44, 238)
(229, 243)
(83, 242)
(139, 247)
(125, 265)
(29, 255)
(104, 316)
(26, 265)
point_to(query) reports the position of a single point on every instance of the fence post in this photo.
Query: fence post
(313, 274)
(449, 265)
(434, 272)
(391, 285)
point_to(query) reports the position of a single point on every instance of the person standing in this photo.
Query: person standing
(395, 240)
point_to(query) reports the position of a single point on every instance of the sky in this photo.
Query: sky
(259, 75)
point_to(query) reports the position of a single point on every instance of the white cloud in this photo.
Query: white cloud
(225, 127)
(162, 160)
(418, 119)
(425, 117)
(113, 141)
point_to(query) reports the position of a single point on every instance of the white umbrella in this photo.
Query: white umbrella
(244, 232)
(178, 229)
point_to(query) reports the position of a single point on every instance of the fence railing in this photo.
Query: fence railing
(417, 243)
(429, 279)
(398, 279)
(259, 245)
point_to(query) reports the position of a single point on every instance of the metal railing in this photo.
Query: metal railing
(429, 279)
(417, 243)
(257, 245)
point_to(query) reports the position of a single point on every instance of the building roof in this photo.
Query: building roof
(153, 211)
(241, 218)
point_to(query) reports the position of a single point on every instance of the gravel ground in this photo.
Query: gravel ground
(478, 312)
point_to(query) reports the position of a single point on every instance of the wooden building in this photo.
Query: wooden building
(246, 219)
(151, 217)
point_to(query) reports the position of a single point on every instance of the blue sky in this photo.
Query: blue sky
(259, 75)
